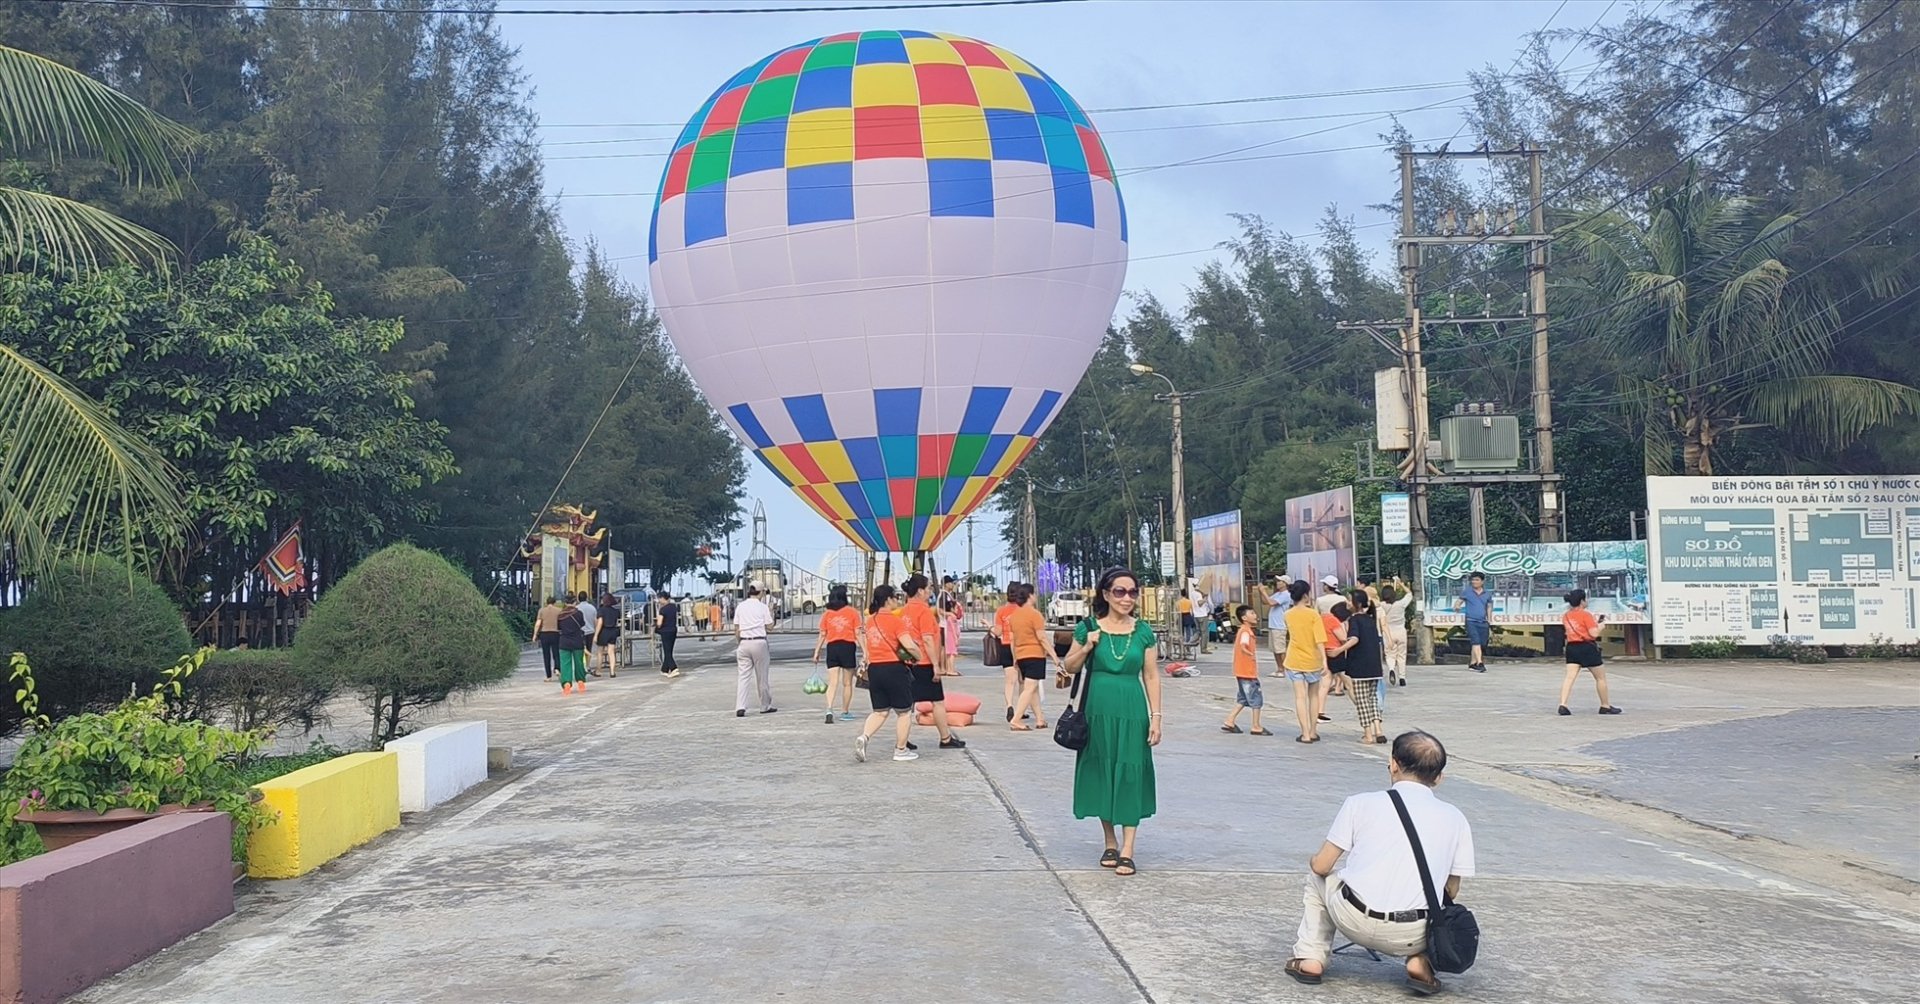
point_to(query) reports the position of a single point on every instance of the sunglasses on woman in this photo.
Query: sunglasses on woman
(1124, 594)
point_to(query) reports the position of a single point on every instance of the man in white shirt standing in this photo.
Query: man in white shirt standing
(1330, 595)
(751, 619)
(1376, 898)
(1279, 601)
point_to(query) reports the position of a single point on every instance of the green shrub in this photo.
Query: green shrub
(1713, 648)
(249, 689)
(266, 768)
(519, 623)
(95, 630)
(405, 630)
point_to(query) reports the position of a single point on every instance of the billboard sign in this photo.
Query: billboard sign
(1396, 518)
(1529, 582)
(1219, 563)
(1818, 560)
(1320, 537)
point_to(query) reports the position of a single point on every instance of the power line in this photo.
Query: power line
(566, 12)
(1522, 54)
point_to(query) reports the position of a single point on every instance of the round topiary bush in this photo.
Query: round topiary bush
(405, 630)
(95, 630)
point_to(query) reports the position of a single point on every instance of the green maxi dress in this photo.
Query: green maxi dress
(1113, 777)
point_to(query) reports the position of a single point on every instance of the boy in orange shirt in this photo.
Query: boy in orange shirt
(1246, 672)
(1583, 651)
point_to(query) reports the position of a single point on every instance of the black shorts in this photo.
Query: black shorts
(842, 654)
(927, 686)
(888, 686)
(1002, 654)
(607, 636)
(1583, 653)
(1033, 669)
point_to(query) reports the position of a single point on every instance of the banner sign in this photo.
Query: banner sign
(1396, 518)
(1818, 560)
(1218, 557)
(554, 557)
(616, 570)
(1320, 537)
(1529, 582)
(1169, 556)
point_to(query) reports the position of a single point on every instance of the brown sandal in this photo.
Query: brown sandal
(1017, 727)
(1301, 975)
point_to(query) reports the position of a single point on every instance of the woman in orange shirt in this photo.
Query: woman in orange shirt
(1002, 635)
(839, 638)
(890, 643)
(1031, 653)
(1583, 651)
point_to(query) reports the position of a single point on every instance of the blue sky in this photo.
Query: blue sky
(612, 92)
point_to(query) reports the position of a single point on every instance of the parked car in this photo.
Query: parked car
(1067, 608)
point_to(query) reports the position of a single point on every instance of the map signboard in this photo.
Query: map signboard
(1819, 560)
(1529, 582)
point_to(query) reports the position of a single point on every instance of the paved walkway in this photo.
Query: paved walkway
(1743, 832)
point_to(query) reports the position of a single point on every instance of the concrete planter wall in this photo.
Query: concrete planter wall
(439, 763)
(71, 917)
(324, 811)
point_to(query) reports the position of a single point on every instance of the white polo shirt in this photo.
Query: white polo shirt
(1379, 864)
(753, 619)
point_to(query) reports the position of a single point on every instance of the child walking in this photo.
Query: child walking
(1246, 672)
(1583, 651)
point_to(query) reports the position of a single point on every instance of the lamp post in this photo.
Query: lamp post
(1179, 491)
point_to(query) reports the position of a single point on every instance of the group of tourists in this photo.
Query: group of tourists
(566, 629)
(1351, 643)
(905, 666)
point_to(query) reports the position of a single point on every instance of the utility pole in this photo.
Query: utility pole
(1030, 531)
(969, 589)
(1537, 306)
(1415, 466)
(1174, 397)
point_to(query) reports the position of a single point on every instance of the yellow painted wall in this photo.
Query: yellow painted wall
(325, 810)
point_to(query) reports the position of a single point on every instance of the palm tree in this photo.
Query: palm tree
(70, 476)
(1697, 293)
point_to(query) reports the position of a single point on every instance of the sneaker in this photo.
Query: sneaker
(566, 688)
(739, 712)
(673, 674)
(768, 711)
(848, 716)
(911, 746)
(904, 755)
(1564, 711)
(1478, 667)
(1609, 710)
(953, 743)
(829, 718)
(860, 749)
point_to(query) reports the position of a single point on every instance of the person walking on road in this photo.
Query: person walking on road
(1002, 634)
(1394, 600)
(546, 632)
(1583, 651)
(573, 650)
(1365, 664)
(607, 638)
(925, 629)
(590, 623)
(666, 630)
(1246, 673)
(751, 620)
(839, 639)
(1032, 654)
(1306, 660)
(951, 614)
(890, 648)
(1120, 695)
(1279, 601)
(1474, 602)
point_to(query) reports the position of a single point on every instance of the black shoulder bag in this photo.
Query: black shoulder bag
(1453, 936)
(1070, 729)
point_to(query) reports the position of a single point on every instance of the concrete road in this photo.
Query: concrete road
(1744, 832)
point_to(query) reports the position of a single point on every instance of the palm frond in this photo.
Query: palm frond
(70, 477)
(49, 107)
(66, 234)
(1830, 411)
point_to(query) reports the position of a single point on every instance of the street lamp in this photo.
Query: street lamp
(1179, 488)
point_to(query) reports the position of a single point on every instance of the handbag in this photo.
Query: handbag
(1070, 729)
(1453, 935)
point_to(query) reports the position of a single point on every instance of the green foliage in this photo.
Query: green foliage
(405, 630)
(519, 622)
(266, 768)
(136, 756)
(269, 406)
(1713, 648)
(94, 628)
(256, 689)
(1782, 647)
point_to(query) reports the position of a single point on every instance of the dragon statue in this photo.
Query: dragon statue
(575, 525)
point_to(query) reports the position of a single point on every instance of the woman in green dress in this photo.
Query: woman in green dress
(1113, 777)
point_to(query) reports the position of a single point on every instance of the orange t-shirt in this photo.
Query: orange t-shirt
(1001, 617)
(1244, 646)
(841, 625)
(1580, 625)
(883, 637)
(1026, 627)
(921, 624)
(1336, 631)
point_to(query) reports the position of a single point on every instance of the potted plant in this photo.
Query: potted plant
(93, 773)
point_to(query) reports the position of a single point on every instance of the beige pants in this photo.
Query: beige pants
(751, 659)
(1327, 911)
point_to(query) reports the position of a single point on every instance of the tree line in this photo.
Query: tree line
(1731, 189)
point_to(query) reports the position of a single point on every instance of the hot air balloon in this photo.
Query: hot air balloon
(886, 258)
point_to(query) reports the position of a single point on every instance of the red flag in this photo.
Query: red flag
(285, 566)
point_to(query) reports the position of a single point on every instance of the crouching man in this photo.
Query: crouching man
(1375, 897)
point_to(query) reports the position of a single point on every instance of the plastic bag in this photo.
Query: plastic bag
(816, 684)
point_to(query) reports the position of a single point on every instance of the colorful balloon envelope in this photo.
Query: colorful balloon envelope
(886, 259)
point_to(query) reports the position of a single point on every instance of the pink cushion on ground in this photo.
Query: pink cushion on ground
(954, 719)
